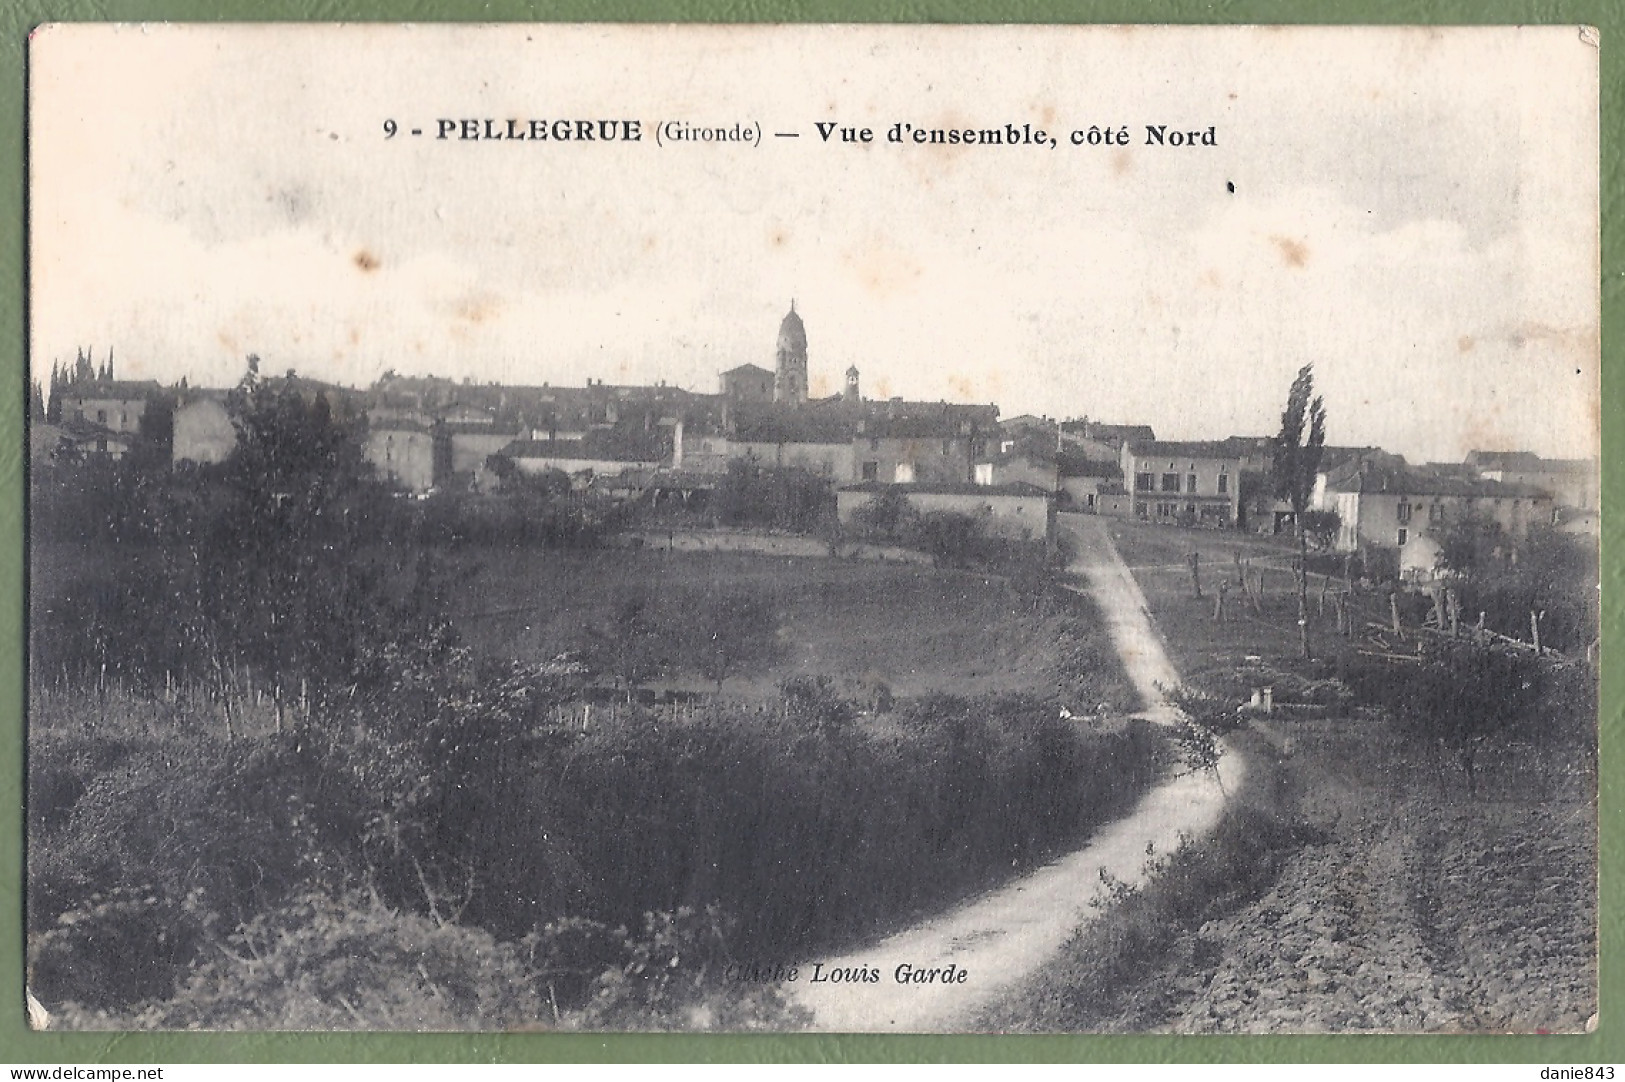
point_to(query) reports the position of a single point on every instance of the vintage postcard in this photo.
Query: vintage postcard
(813, 528)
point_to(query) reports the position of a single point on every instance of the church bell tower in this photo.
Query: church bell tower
(790, 369)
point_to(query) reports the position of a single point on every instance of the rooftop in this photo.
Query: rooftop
(1391, 474)
(954, 488)
(1174, 449)
(1095, 430)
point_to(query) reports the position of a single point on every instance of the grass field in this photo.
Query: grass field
(1200, 646)
(810, 817)
(917, 629)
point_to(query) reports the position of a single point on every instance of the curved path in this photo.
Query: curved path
(1004, 936)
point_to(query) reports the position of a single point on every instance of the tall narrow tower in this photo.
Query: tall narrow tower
(790, 371)
(852, 394)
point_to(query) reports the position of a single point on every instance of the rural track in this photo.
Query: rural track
(1002, 937)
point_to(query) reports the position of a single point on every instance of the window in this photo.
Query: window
(871, 471)
(1143, 482)
(101, 417)
(1224, 484)
(1404, 535)
(1190, 509)
(1404, 513)
(947, 447)
(1436, 512)
(1190, 482)
(1170, 482)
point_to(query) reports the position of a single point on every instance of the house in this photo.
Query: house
(583, 462)
(848, 440)
(1262, 511)
(1571, 482)
(403, 453)
(1194, 483)
(115, 406)
(921, 443)
(1101, 442)
(1008, 467)
(1090, 484)
(1382, 503)
(815, 436)
(748, 383)
(466, 445)
(1018, 511)
(699, 446)
(1028, 432)
(83, 441)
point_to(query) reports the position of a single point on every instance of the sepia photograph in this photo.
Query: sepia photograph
(813, 528)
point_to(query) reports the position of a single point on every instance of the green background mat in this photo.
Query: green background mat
(20, 1046)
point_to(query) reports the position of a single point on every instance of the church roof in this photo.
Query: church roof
(792, 335)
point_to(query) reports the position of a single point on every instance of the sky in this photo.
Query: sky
(1412, 211)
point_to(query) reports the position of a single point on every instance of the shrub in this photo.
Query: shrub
(1465, 697)
(118, 948)
(347, 962)
(888, 516)
(674, 976)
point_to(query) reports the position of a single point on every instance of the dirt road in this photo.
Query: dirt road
(1003, 936)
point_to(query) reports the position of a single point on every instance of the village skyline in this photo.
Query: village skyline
(823, 383)
(1427, 261)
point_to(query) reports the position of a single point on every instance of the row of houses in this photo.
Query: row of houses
(423, 433)
(1381, 501)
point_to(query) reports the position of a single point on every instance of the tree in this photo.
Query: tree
(157, 430)
(628, 644)
(296, 593)
(1322, 528)
(1295, 463)
(53, 402)
(1468, 544)
(887, 515)
(735, 630)
(953, 539)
